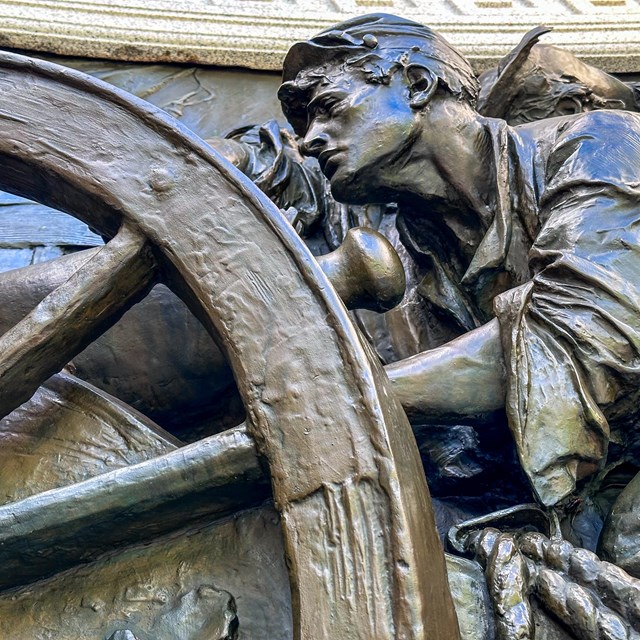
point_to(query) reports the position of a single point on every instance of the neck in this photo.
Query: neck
(451, 161)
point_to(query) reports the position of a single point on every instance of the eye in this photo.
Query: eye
(331, 105)
(326, 107)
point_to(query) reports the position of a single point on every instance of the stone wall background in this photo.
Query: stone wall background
(257, 33)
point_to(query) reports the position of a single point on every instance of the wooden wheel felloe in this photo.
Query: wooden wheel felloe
(362, 549)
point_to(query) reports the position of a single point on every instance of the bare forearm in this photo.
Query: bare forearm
(464, 377)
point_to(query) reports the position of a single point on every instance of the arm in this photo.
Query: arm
(463, 377)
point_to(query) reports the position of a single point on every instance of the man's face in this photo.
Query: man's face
(361, 134)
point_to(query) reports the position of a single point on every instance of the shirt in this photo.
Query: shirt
(558, 263)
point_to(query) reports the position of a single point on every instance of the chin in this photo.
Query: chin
(350, 190)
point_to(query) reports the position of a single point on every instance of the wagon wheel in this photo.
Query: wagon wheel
(363, 555)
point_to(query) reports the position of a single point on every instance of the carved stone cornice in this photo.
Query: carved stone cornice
(257, 33)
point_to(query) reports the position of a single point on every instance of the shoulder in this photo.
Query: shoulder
(608, 128)
(602, 119)
(600, 122)
(599, 146)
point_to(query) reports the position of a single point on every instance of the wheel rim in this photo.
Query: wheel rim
(361, 545)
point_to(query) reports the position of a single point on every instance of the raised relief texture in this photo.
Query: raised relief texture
(494, 324)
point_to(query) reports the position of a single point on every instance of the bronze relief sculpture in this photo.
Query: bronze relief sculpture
(519, 245)
(518, 235)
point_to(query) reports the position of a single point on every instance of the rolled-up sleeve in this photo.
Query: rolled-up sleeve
(571, 336)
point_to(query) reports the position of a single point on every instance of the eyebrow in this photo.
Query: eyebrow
(325, 93)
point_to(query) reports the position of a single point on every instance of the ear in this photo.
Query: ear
(422, 85)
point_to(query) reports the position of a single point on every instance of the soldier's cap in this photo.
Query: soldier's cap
(379, 34)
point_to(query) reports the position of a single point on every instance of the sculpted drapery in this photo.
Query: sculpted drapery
(561, 251)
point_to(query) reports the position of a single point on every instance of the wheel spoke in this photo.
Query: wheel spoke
(73, 315)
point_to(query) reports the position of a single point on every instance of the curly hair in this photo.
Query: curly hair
(378, 45)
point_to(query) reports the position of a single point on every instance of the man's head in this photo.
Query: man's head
(357, 93)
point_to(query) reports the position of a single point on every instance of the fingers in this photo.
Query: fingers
(508, 583)
(595, 599)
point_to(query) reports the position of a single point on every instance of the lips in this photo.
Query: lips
(329, 162)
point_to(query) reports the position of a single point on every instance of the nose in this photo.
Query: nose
(314, 142)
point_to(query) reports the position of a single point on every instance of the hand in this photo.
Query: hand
(592, 599)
